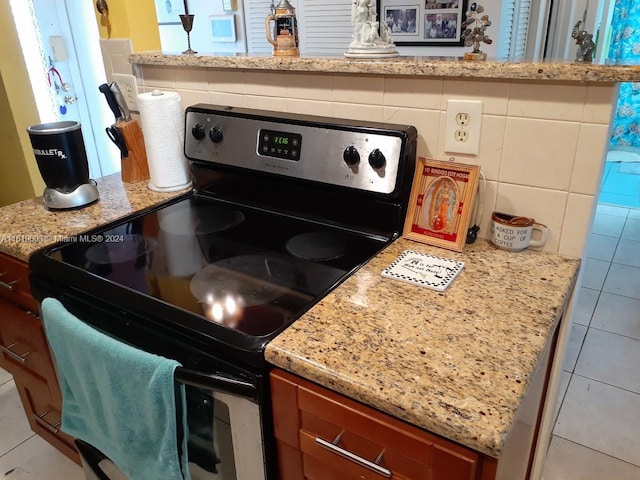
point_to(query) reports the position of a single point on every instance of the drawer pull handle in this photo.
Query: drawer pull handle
(16, 356)
(363, 462)
(11, 286)
(42, 422)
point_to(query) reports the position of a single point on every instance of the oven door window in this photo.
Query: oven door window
(220, 425)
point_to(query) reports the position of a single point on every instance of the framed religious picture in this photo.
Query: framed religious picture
(424, 22)
(441, 202)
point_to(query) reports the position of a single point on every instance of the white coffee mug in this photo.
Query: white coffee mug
(514, 233)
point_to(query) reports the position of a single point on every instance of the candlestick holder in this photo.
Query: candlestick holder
(187, 25)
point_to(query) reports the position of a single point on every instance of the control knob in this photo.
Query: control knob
(198, 131)
(216, 135)
(377, 159)
(351, 156)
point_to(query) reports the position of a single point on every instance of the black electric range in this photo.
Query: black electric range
(284, 208)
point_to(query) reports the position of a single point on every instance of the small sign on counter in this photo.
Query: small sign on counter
(424, 270)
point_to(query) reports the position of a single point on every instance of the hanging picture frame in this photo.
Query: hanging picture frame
(441, 202)
(424, 22)
(169, 11)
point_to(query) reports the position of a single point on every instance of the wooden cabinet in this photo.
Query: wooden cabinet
(322, 435)
(25, 354)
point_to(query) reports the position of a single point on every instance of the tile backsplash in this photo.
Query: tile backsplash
(542, 144)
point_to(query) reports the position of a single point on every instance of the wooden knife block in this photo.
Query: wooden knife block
(134, 168)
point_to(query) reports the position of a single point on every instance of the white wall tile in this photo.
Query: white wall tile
(590, 157)
(425, 121)
(266, 84)
(230, 99)
(159, 77)
(366, 89)
(577, 220)
(488, 207)
(358, 112)
(230, 81)
(265, 103)
(544, 100)
(309, 107)
(191, 97)
(191, 79)
(545, 206)
(308, 86)
(414, 92)
(599, 103)
(494, 95)
(539, 152)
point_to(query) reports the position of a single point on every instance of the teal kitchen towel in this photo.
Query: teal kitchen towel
(117, 398)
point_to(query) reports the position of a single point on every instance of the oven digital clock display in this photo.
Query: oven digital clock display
(279, 144)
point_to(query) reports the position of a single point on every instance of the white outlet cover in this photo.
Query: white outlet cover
(129, 88)
(472, 144)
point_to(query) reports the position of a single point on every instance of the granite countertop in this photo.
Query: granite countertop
(456, 363)
(404, 65)
(28, 225)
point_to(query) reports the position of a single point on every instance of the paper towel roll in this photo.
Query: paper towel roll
(162, 121)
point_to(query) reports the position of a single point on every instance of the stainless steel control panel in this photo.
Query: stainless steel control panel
(357, 157)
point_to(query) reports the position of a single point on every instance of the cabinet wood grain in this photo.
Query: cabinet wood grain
(25, 354)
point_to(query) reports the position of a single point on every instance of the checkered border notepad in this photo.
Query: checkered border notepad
(424, 270)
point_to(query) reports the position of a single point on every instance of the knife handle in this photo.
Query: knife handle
(111, 100)
(135, 167)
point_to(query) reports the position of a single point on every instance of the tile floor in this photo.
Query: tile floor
(596, 435)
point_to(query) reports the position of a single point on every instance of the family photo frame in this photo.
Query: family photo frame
(441, 202)
(424, 22)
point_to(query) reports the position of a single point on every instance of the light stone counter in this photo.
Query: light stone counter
(456, 363)
(416, 66)
(27, 226)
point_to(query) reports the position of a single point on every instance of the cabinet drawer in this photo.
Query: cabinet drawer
(337, 437)
(42, 411)
(14, 282)
(20, 340)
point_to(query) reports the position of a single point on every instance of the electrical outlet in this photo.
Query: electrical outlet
(129, 88)
(462, 127)
(463, 119)
(461, 135)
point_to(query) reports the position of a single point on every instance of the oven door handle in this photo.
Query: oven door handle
(215, 382)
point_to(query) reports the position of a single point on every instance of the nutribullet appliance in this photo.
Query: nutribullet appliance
(62, 161)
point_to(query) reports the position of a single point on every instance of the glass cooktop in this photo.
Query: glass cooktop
(250, 270)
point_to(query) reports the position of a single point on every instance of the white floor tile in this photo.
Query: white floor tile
(35, 459)
(612, 210)
(608, 225)
(610, 358)
(574, 344)
(634, 213)
(601, 247)
(601, 417)
(15, 428)
(4, 376)
(595, 271)
(569, 461)
(563, 385)
(631, 229)
(628, 252)
(585, 305)
(623, 280)
(617, 314)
